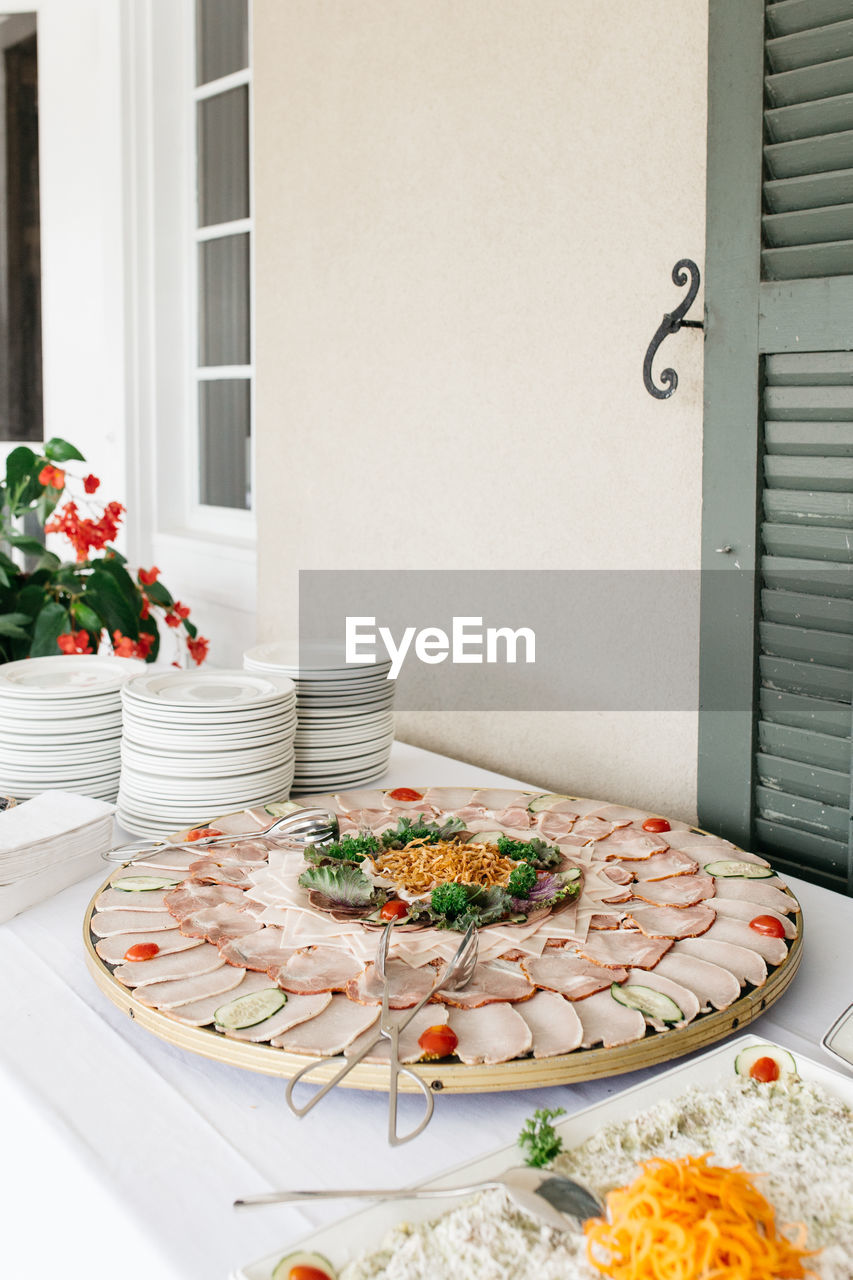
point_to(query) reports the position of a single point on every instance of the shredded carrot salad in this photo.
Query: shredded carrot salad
(688, 1220)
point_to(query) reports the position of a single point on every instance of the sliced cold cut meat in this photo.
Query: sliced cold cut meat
(761, 892)
(493, 1033)
(190, 897)
(219, 924)
(168, 942)
(724, 929)
(606, 919)
(671, 922)
(713, 986)
(569, 974)
(122, 900)
(169, 995)
(236, 874)
(606, 1022)
(316, 969)
(297, 1009)
(631, 844)
(617, 948)
(660, 866)
(554, 1023)
(180, 964)
(516, 818)
(176, 860)
(253, 853)
(489, 983)
(329, 1033)
(349, 801)
(408, 1049)
(738, 909)
(107, 923)
(710, 849)
(683, 996)
(406, 984)
(746, 964)
(199, 1013)
(675, 891)
(497, 799)
(587, 829)
(554, 826)
(261, 951)
(618, 874)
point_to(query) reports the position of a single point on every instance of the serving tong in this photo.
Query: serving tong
(456, 974)
(305, 826)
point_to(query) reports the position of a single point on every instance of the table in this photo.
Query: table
(122, 1155)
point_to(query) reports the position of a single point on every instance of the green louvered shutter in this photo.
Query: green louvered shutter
(787, 789)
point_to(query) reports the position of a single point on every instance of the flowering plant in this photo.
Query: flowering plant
(56, 606)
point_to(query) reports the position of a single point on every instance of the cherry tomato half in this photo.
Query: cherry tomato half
(769, 926)
(394, 909)
(438, 1042)
(142, 951)
(656, 825)
(764, 1069)
(302, 1272)
(405, 793)
(201, 833)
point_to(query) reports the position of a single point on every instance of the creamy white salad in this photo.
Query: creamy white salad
(795, 1133)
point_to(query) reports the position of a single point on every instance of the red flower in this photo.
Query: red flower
(172, 620)
(198, 648)
(75, 642)
(90, 483)
(123, 646)
(181, 610)
(143, 646)
(147, 576)
(52, 477)
(84, 534)
(146, 607)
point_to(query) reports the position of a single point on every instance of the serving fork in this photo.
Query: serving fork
(456, 974)
(307, 826)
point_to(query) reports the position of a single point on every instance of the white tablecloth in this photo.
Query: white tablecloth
(121, 1155)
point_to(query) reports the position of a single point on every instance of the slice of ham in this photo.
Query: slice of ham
(169, 942)
(710, 848)
(191, 897)
(724, 929)
(618, 874)
(180, 964)
(554, 826)
(351, 801)
(555, 1025)
(587, 829)
(630, 844)
(170, 995)
(176, 860)
(259, 951)
(408, 1049)
(105, 924)
(493, 1033)
(675, 891)
(515, 817)
(618, 948)
(683, 996)
(374, 820)
(713, 986)
(199, 1013)
(550, 802)
(569, 974)
(122, 900)
(761, 892)
(660, 866)
(468, 813)
(606, 919)
(605, 1021)
(746, 964)
(329, 1033)
(497, 799)
(489, 983)
(449, 799)
(316, 969)
(253, 853)
(672, 922)
(236, 874)
(737, 909)
(219, 924)
(406, 984)
(297, 1009)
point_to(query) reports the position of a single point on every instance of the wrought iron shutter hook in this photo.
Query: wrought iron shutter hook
(671, 323)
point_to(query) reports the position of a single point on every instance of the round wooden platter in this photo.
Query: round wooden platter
(455, 1077)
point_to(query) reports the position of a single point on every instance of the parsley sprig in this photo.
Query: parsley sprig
(539, 1139)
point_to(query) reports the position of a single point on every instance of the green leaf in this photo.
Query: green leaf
(47, 560)
(110, 553)
(20, 465)
(4, 578)
(29, 546)
(539, 1139)
(52, 621)
(149, 627)
(12, 625)
(105, 596)
(86, 617)
(30, 599)
(158, 594)
(8, 563)
(61, 451)
(192, 629)
(128, 587)
(343, 886)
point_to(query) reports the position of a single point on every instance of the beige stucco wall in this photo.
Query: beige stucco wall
(467, 213)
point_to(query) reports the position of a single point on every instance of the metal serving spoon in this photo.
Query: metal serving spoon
(308, 826)
(558, 1202)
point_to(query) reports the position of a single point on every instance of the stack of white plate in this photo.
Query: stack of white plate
(60, 724)
(345, 713)
(199, 744)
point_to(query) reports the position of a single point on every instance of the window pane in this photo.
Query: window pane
(222, 38)
(223, 301)
(223, 157)
(225, 421)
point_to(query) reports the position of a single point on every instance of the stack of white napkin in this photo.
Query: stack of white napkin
(49, 843)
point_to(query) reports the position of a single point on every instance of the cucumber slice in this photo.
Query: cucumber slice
(316, 1260)
(144, 884)
(248, 1011)
(545, 802)
(731, 869)
(651, 1003)
(486, 837)
(747, 1059)
(571, 873)
(282, 808)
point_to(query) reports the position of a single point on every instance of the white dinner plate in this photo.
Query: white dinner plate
(209, 689)
(75, 675)
(318, 656)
